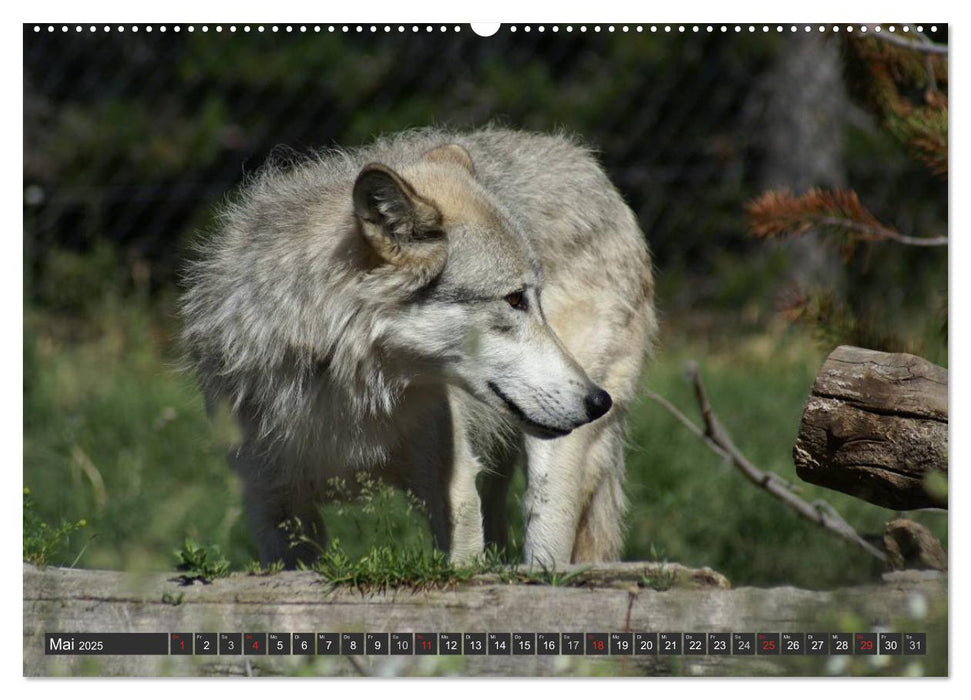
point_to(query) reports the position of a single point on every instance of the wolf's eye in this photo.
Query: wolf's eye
(517, 300)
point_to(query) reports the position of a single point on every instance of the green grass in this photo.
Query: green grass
(114, 434)
(42, 541)
(389, 566)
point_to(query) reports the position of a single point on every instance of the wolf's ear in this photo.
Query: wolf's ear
(401, 227)
(452, 153)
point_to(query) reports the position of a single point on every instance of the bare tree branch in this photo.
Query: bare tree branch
(686, 422)
(869, 232)
(714, 435)
(923, 44)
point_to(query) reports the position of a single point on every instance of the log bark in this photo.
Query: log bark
(875, 427)
(615, 598)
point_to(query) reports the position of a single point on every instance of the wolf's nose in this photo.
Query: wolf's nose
(597, 403)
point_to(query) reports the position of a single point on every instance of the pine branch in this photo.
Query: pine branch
(780, 213)
(924, 131)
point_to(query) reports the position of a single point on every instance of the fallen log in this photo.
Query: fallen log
(910, 545)
(875, 427)
(610, 598)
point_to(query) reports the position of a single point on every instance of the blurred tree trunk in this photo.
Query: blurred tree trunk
(802, 132)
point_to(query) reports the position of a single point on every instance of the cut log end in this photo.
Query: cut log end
(875, 427)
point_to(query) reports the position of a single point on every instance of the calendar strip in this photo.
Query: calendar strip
(487, 643)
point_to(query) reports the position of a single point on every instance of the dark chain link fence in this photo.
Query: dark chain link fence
(131, 137)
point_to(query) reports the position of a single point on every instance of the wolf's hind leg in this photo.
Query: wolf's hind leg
(287, 526)
(494, 484)
(284, 518)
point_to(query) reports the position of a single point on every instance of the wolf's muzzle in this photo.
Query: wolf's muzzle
(540, 430)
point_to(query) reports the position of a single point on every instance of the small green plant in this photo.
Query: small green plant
(657, 554)
(660, 578)
(43, 541)
(256, 568)
(494, 559)
(200, 563)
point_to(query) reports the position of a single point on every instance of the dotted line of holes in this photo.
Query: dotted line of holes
(666, 28)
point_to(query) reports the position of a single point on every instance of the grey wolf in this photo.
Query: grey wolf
(433, 308)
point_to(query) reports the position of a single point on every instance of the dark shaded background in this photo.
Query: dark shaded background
(131, 137)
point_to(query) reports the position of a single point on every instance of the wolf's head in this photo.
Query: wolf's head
(472, 314)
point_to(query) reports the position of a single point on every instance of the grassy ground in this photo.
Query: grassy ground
(114, 434)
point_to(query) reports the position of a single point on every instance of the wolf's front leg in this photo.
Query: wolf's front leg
(464, 504)
(465, 511)
(551, 509)
(574, 503)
